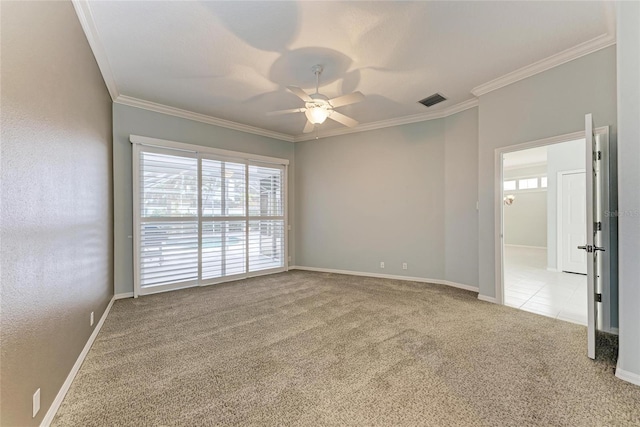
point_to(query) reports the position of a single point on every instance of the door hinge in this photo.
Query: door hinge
(597, 226)
(598, 297)
(599, 155)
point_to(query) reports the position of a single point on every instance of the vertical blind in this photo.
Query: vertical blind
(205, 219)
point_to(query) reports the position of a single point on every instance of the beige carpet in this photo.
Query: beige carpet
(304, 348)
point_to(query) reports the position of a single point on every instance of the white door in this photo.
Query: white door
(594, 238)
(574, 220)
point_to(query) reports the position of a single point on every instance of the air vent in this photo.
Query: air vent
(432, 100)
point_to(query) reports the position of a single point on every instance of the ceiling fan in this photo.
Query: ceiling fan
(318, 107)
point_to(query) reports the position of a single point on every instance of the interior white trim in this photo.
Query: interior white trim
(422, 117)
(498, 203)
(628, 376)
(487, 299)
(573, 136)
(387, 276)
(89, 27)
(526, 166)
(526, 246)
(53, 409)
(155, 142)
(575, 52)
(203, 118)
(185, 114)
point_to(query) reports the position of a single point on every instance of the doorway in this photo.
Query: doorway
(544, 214)
(600, 245)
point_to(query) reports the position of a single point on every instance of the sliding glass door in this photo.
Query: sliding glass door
(266, 218)
(205, 219)
(223, 221)
(168, 219)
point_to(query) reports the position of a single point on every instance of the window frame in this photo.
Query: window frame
(515, 183)
(517, 179)
(141, 144)
(527, 181)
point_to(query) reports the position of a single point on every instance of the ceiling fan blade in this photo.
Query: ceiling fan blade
(300, 93)
(309, 127)
(291, 110)
(341, 118)
(351, 98)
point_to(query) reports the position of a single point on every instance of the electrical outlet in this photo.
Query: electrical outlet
(36, 403)
(404, 266)
(91, 319)
(381, 264)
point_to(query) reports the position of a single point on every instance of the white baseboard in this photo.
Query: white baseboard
(123, 295)
(454, 285)
(53, 409)
(628, 376)
(487, 299)
(525, 246)
(387, 276)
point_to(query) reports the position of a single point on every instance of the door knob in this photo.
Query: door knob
(598, 248)
(587, 248)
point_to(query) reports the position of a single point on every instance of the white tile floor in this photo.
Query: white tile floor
(530, 286)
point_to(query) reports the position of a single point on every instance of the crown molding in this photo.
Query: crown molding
(575, 52)
(91, 32)
(398, 121)
(85, 17)
(203, 118)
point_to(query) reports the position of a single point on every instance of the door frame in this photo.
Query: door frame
(559, 212)
(498, 202)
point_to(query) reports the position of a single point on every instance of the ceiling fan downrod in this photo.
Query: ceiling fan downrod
(317, 70)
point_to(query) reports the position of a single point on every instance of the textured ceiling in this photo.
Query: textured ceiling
(232, 60)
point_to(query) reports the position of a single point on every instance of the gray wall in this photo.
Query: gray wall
(548, 104)
(373, 196)
(561, 157)
(129, 120)
(56, 237)
(628, 193)
(384, 195)
(460, 197)
(525, 221)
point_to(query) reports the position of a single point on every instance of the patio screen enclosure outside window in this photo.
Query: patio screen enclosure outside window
(202, 218)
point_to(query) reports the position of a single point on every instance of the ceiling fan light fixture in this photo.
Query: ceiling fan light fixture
(317, 115)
